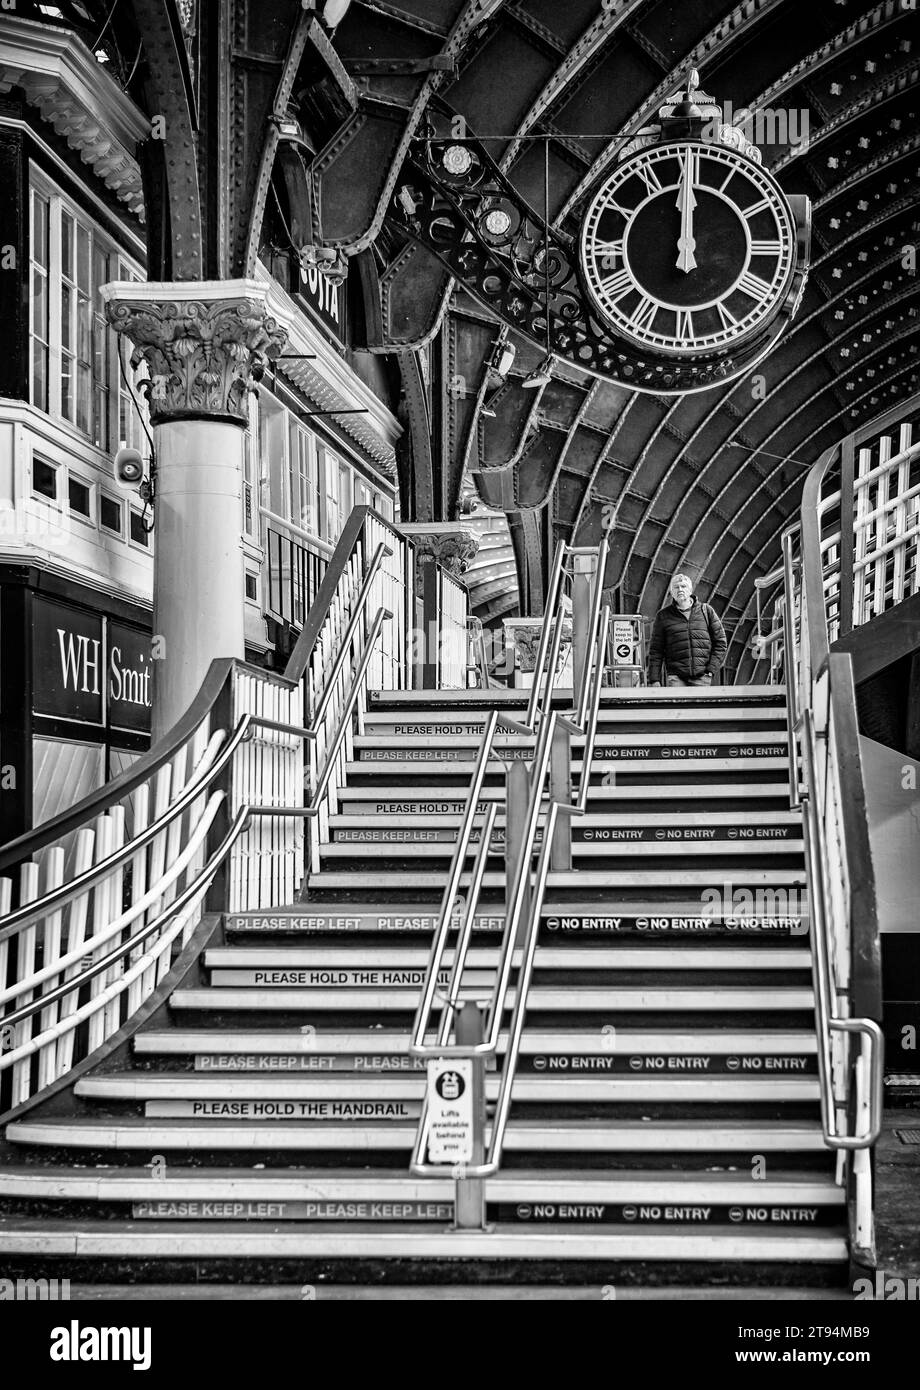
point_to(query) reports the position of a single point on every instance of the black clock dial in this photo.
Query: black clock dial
(688, 248)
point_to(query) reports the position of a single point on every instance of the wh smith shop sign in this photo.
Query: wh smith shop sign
(90, 669)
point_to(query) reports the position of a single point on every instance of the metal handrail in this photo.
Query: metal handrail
(595, 661)
(153, 893)
(599, 647)
(551, 620)
(792, 691)
(582, 707)
(99, 967)
(825, 994)
(82, 882)
(382, 552)
(314, 806)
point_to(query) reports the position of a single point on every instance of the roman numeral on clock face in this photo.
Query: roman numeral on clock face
(643, 316)
(684, 325)
(609, 254)
(616, 285)
(754, 286)
(763, 206)
(726, 318)
(766, 248)
(651, 180)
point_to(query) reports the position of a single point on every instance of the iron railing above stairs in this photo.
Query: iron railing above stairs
(853, 555)
(97, 902)
(526, 814)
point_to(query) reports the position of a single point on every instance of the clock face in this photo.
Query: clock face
(687, 248)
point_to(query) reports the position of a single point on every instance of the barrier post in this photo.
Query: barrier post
(470, 1196)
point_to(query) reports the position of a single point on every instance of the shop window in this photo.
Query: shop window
(44, 479)
(79, 497)
(110, 514)
(139, 535)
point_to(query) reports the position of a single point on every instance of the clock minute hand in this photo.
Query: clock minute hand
(686, 201)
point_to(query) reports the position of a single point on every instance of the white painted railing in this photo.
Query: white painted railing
(871, 562)
(96, 902)
(453, 634)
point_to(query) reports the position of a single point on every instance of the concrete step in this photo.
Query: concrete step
(643, 696)
(321, 1186)
(571, 999)
(686, 956)
(745, 880)
(610, 716)
(316, 1096)
(129, 1133)
(217, 1240)
(729, 823)
(608, 844)
(435, 800)
(606, 744)
(289, 1049)
(664, 921)
(437, 764)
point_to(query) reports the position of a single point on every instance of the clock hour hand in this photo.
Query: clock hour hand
(686, 201)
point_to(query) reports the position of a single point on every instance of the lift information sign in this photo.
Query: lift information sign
(450, 1111)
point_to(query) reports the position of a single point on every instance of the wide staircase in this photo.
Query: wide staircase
(665, 1121)
(224, 977)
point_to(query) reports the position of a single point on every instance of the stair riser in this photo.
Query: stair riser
(645, 1218)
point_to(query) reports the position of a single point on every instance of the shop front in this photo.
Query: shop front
(75, 693)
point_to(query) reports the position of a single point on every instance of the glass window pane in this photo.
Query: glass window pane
(67, 318)
(83, 259)
(100, 417)
(40, 215)
(40, 375)
(84, 387)
(78, 496)
(39, 304)
(44, 478)
(67, 246)
(110, 513)
(67, 393)
(84, 329)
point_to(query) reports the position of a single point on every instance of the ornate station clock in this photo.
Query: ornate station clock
(690, 248)
(688, 265)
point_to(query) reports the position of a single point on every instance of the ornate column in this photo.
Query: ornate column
(451, 546)
(202, 342)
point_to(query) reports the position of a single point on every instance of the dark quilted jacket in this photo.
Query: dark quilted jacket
(689, 646)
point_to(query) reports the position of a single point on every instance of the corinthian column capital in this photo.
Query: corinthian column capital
(202, 342)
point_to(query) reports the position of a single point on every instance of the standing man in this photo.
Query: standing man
(687, 638)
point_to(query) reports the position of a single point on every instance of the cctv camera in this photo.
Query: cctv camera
(129, 468)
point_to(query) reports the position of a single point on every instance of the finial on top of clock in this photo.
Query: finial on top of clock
(690, 114)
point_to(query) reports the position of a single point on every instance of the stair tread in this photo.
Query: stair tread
(611, 818)
(581, 849)
(544, 1184)
(347, 1085)
(573, 878)
(713, 791)
(366, 1240)
(682, 955)
(380, 1041)
(539, 997)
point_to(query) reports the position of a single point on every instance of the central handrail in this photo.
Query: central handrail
(543, 722)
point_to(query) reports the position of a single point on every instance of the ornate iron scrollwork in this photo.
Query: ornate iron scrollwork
(454, 200)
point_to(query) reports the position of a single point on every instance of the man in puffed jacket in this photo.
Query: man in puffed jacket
(687, 638)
